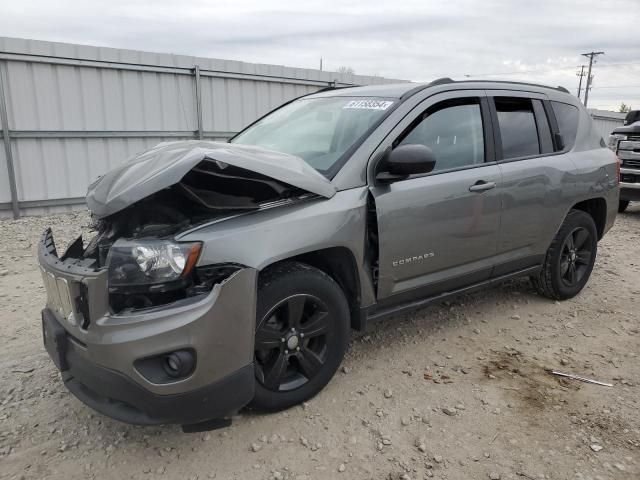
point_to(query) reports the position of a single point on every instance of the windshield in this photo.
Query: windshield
(321, 131)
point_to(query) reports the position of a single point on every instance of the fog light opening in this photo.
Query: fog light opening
(178, 364)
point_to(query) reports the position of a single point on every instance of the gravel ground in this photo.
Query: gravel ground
(453, 391)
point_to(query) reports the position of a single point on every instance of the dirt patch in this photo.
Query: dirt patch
(453, 391)
(527, 381)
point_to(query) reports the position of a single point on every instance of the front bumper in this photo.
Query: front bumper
(628, 152)
(117, 396)
(101, 353)
(630, 184)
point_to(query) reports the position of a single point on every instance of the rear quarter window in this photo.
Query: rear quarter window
(567, 118)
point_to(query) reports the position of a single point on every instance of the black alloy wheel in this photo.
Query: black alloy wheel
(576, 256)
(291, 342)
(302, 331)
(570, 258)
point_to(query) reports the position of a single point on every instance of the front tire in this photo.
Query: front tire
(302, 331)
(622, 205)
(570, 258)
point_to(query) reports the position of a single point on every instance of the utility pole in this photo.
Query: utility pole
(590, 56)
(580, 74)
(320, 63)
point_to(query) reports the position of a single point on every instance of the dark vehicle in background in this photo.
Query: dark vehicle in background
(625, 141)
(230, 274)
(633, 116)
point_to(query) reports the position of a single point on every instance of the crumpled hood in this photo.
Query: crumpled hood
(167, 163)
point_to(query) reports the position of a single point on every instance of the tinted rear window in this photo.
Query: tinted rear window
(517, 127)
(567, 117)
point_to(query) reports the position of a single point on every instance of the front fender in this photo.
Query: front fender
(264, 237)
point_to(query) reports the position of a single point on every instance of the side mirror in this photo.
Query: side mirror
(405, 160)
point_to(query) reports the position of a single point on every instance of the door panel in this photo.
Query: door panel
(438, 232)
(434, 231)
(535, 195)
(536, 191)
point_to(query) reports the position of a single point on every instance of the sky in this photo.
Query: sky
(537, 41)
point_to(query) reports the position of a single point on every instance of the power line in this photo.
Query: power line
(618, 64)
(591, 56)
(616, 86)
(557, 69)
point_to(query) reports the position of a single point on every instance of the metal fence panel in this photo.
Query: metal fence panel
(76, 111)
(606, 125)
(60, 97)
(61, 168)
(606, 121)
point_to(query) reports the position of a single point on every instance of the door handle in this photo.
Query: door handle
(481, 186)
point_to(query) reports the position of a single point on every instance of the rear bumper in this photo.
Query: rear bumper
(117, 396)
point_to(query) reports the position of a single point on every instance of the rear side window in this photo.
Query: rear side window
(567, 118)
(518, 130)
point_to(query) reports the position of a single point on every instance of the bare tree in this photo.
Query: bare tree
(346, 70)
(624, 108)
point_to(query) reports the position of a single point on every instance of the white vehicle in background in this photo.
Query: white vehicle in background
(625, 141)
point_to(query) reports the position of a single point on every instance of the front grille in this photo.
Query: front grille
(629, 178)
(631, 163)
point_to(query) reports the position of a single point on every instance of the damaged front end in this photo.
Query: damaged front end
(146, 266)
(139, 326)
(139, 209)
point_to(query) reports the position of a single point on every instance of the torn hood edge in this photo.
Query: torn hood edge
(167, 163)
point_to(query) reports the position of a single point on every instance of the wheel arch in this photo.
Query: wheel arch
(340, 264)
(597, 209)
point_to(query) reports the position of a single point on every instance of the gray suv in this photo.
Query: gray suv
(225, 275)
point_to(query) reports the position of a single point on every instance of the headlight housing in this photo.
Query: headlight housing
(614, 138)
(150, 262)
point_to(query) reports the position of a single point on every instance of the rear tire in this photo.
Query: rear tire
(622, 205)
(570, 258)
(302, 331)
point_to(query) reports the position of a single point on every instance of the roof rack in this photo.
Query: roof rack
(441, 81)
(333, 86)
(419, 87)
(447, 80)
(559, 88)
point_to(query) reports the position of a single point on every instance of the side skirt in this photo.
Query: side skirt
(373, 314)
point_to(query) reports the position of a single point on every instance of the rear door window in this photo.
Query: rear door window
(567, 118)
(517, 123)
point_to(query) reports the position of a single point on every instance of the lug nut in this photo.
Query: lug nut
(302, 335)
(298, 349)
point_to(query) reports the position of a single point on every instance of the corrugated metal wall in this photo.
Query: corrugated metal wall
(75, 111)
(606, 121)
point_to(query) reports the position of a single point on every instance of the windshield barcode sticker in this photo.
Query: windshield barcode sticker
(369, 104)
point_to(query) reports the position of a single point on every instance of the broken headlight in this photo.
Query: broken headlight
(150, 262)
